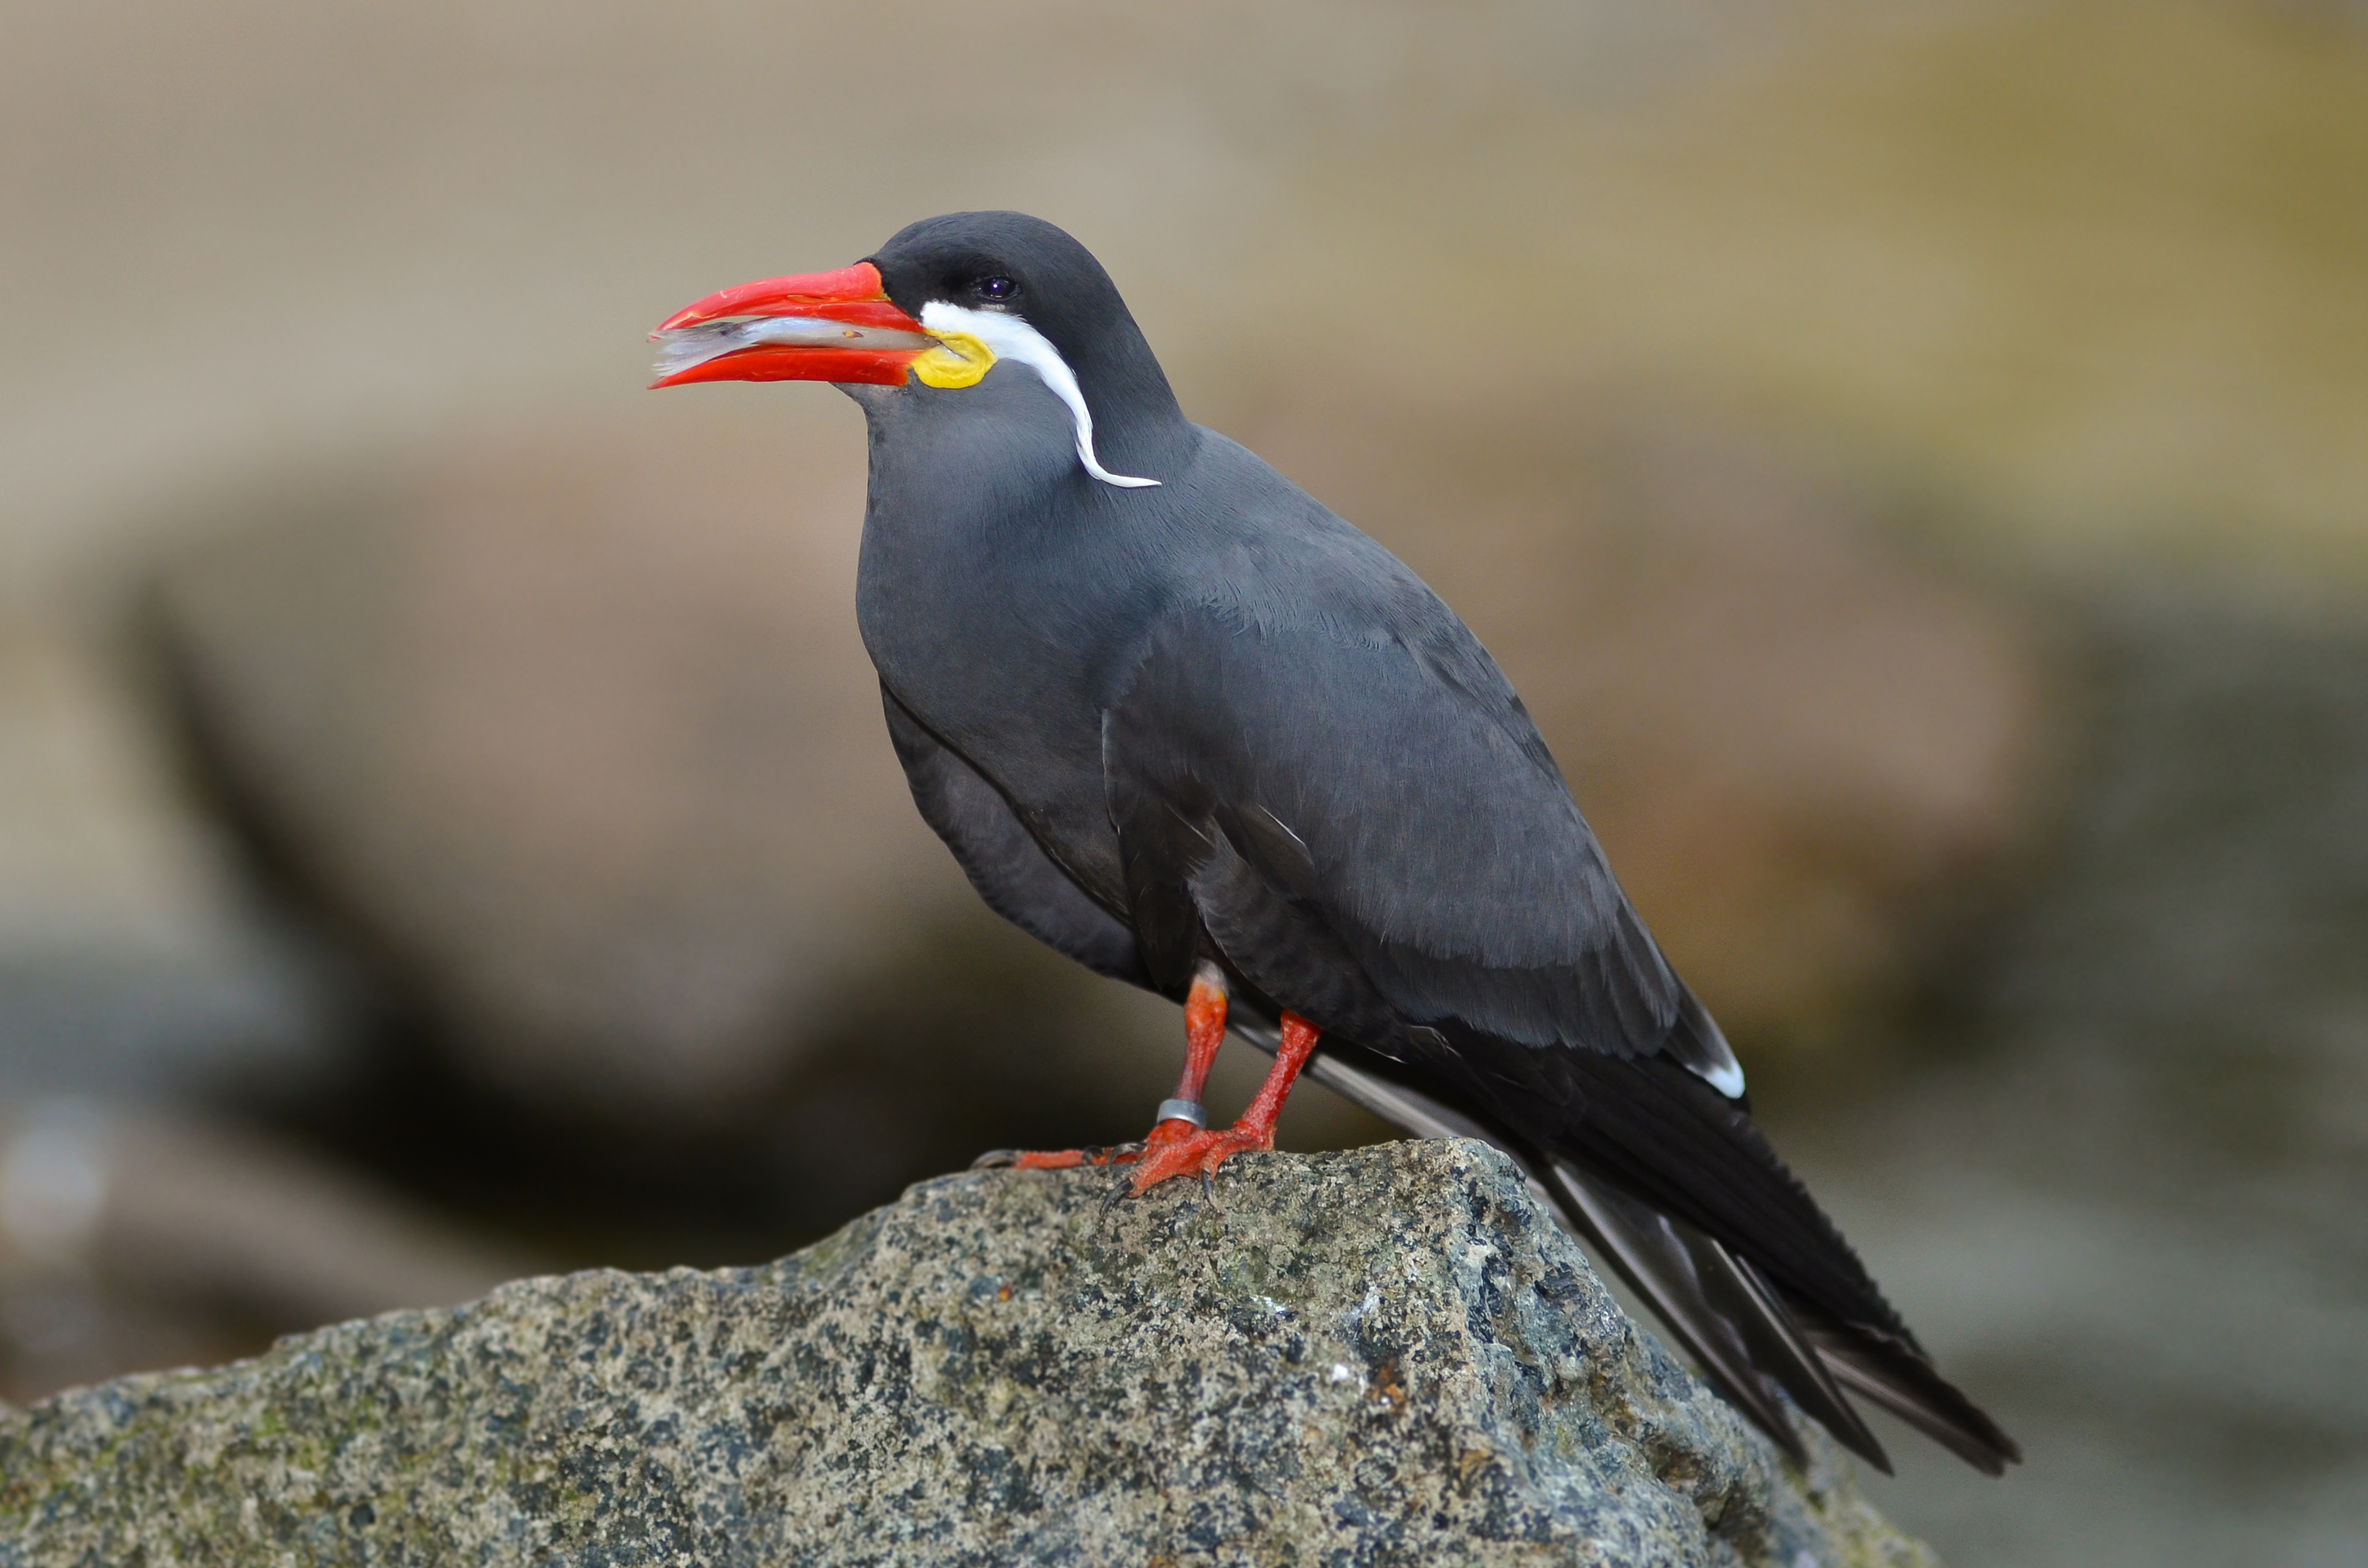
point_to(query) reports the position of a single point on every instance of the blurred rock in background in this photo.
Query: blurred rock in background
(149, 1239)
(2127, 1192)
(576, 748)
(584, 742)
(434, 772)
(130, 960)
(572, 754)
(578, 737)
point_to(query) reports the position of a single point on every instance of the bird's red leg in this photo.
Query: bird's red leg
(1204, 1030)
(1202, 1151)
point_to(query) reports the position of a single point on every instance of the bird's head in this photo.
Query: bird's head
(938, 306)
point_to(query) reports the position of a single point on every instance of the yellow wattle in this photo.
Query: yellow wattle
(958, 360)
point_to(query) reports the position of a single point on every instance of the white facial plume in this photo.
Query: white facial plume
(1009, 338)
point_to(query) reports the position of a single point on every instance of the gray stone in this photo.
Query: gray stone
(1390, 1356)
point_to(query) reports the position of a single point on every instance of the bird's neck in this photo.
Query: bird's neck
(1139, 428)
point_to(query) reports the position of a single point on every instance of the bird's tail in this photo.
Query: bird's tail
(1748, 1338)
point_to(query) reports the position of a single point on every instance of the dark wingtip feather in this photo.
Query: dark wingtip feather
(1647, 1252)
(1779, 1346)
(1761, 1338)
(1878, 1367)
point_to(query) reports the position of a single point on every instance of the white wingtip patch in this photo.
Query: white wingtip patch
(1012, 338)
(1726, 1078)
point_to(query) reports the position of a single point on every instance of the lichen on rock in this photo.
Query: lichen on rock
(1390, 1356)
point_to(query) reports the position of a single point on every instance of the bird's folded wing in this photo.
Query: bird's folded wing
(1005, 864)
(1353, 772)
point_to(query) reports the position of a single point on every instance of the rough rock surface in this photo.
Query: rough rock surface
(1385, 1357)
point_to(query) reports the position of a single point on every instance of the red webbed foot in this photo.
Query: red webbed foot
(1179, 1145)
(1204, 1030)
(1158, 1138)
(1056, 1159)
(1198, 1151)
(1061, 1159)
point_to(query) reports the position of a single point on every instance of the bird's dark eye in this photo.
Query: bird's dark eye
(995, 288)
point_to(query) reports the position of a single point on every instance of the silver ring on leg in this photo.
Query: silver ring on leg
(1182, 1110)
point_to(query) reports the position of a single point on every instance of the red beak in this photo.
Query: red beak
(818, 327)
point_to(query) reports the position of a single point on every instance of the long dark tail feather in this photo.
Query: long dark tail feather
(1711, 1299)
(1647, 1252)
(1905, 1383)
(1748, 1337)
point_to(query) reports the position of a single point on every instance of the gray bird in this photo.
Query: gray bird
(1182, 724)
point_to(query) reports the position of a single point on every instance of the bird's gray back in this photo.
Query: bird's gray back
(1270, 651)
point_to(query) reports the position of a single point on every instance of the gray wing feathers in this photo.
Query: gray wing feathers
(1373, 768)
(1002, 860)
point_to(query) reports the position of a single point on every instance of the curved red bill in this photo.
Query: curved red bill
(851, 298)
(772, 362)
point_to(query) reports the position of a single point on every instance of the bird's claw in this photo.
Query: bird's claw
(1172, 1149)
(1197, 1152)
(1059, 1159)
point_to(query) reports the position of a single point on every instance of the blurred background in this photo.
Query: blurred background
(1912, 457)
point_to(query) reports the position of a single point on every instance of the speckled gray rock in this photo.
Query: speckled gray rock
(1384, 1357)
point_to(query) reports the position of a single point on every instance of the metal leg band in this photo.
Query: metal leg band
(1182, 1110)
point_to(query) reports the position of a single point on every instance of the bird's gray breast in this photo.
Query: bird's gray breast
(990, 596)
